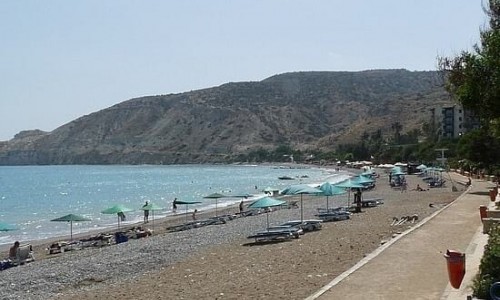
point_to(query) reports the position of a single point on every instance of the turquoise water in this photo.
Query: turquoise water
(30, 196)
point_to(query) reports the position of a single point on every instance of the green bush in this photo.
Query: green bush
(489, 269)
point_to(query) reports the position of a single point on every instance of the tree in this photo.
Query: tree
(473, 78)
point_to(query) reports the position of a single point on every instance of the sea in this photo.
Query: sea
(31, 196)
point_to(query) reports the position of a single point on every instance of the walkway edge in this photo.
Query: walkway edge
(379, 250)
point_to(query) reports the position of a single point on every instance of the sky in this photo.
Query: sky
(60, 60)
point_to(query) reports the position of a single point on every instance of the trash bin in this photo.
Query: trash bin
(493, 194)
(482, 211)
(455, 262)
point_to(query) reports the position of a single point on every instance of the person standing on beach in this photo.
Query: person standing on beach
(194, 214)
(174, 205)
(241, 206)
(357, 200)
(146, 212)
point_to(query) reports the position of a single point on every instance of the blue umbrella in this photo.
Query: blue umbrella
(265, 203)
(330, 190)
(349, 184)
(301, 189)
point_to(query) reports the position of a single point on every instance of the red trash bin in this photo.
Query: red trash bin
(482, 211)
(455, 262)
(492, 195)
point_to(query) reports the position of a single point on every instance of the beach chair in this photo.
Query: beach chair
(305, 225)
(24, 255)
(277, 235)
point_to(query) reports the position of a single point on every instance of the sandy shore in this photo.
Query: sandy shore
(218, 262)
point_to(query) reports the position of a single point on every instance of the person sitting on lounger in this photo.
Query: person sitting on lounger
(13, 251)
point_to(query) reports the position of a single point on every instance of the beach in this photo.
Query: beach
(218, 261)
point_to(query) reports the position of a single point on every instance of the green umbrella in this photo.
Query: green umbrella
(265, 203)
(7, 227)
(187, 203)
(71, 218)
(116, 209)
(215, 196)
(152, 207)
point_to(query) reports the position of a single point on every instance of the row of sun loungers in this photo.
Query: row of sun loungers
(286, 231)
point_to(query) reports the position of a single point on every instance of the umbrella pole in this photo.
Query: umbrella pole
(326, 202)
(118, 222)
(216, 207)
(153, 222)
(71, 230)
(301, 210)
(267, 216)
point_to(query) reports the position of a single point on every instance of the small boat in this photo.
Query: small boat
(285, 178)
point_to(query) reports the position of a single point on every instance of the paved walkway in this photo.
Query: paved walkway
(412, 265)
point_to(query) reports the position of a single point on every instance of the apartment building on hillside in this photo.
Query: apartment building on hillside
(453, 121)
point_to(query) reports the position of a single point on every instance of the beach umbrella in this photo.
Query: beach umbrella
(152, 207)
(71, 218)
(7, 227)
(265, 203)
(116, 209)
(187, 203)
(421, 167)
(363, 179)
(301, 189)
(330, 190)
(349, 184)
(215, 196)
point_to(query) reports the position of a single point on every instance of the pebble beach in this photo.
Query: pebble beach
(219, 262)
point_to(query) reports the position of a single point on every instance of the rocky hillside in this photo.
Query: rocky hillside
(303, 109)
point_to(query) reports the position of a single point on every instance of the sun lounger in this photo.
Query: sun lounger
(291, 204)
(62, 246)
(334, 216)
(247, 213)
(295, 231)
(24, 255)
(305, 225)
(98, 240)
(271, 236)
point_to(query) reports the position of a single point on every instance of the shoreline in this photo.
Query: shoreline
(170, 216)
(218, 261)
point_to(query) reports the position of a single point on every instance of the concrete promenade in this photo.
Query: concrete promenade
(412, 265)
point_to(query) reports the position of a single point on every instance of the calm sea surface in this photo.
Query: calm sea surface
(30, 196)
